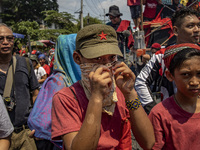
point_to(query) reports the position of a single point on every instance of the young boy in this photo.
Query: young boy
(176, 119)
(92, 113)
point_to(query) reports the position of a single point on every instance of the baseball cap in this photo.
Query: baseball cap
(156, 46)
(97, 40)
(34, 57)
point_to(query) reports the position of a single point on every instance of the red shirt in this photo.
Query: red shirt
(47, 69)
(150, 8)
(68, 115)
(133, 2)
(124, 24)
(174, 128)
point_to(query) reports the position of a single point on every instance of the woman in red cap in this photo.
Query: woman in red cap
(175, 120)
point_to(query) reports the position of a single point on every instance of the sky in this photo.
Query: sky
(94, 7)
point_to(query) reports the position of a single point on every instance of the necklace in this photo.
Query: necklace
(177, 101)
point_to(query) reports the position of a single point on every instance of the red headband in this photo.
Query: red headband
(171, 51)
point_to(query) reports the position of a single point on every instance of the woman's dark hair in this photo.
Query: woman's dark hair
(181, 56)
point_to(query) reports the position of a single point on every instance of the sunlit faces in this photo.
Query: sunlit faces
(187, 77)
(189, 30)
(6, 40)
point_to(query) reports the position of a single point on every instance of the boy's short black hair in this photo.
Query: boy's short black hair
(179, 15)
(181, 56)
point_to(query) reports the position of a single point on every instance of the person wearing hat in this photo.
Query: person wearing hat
(98, 111)
(122, 27)
(44, 63)
(155, 47)
(39, 71)
(178, 114)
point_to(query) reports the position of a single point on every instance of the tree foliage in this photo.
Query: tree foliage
(88, 21)
(63, 20)
(27, 28)
(26, 16)
(32, 29)
(26, 10)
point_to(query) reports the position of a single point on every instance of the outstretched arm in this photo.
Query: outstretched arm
(140, 123)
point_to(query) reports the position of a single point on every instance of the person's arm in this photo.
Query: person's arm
(140, 123)
(6, 127)
(43, 78)
(33, 82)
(34, 95)
(43, 74)
(5, 143)
(148, 75)
(88, 136)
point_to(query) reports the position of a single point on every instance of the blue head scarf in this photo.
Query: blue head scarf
(65, 73)
(64, 58)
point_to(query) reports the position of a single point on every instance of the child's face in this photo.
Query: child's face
(42, 61)
(187, 78)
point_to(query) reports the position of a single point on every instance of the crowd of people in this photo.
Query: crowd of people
(85, 96)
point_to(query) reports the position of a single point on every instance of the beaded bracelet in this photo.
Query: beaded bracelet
(133, 104)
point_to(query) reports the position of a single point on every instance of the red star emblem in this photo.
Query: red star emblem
(103, 36)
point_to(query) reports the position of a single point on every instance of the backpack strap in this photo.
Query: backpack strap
(9, 102)
(9, 79)
(28, 65)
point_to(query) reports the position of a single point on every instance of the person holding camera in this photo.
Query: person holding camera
(17, 81)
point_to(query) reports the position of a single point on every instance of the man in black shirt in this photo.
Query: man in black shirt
(24, 82)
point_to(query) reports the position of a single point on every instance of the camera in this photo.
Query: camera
(9, 103)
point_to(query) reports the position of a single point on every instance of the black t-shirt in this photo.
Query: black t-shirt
(24, 82)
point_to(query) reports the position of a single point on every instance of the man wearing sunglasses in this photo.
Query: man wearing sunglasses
(17, 100)
(122, 27)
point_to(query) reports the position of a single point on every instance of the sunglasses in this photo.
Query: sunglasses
(111, 18)
(9, 38)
